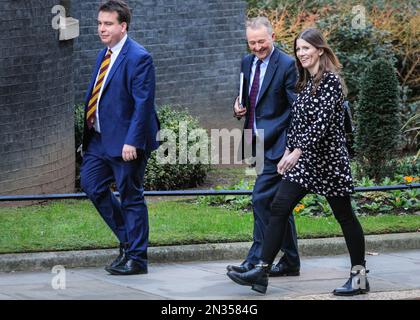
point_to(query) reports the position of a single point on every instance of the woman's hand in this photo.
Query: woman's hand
(288, 161)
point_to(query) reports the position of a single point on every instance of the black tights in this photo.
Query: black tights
(287, 197)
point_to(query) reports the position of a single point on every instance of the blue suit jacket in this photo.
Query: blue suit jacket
(275, 100)
(127, 111)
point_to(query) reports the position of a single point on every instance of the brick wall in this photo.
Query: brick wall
(36, 101)
(197, 46)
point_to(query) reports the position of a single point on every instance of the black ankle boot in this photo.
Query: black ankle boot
(256, 278)
(356, 284)
(122, 257)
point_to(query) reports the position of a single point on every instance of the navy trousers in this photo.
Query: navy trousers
(128, 218)
(265, 188)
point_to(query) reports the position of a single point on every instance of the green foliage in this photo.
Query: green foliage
(314, 4)
(313, 205)
(240, 203)
(356, 49)
(391, 202)
(175, 175)
(377, 120)
(364, 203)
(366, 182)
(398, 199)
(410, 118)
(407, 166)
(413, 194)
(79, 115)
(391, 32)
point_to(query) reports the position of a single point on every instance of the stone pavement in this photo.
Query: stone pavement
(393, 275)
(200, 252)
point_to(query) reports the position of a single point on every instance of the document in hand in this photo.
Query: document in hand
(241, 88)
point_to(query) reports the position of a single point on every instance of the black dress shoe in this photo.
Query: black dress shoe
(122, 257)
(131, 267)
(282, 270)
(256, 278)
(354, 286)
(244, 267)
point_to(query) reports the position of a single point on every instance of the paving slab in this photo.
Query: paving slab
(393, 275)
(200, 252)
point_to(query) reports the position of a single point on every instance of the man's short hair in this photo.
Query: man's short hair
(119, 6)
(258, 22)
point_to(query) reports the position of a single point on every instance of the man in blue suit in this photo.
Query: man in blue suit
(120, 133)
(268, 94)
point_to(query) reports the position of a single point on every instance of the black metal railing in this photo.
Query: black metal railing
(37, 197)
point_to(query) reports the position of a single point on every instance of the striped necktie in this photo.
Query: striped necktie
(93, 102)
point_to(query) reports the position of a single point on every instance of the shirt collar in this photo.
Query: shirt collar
(266, 59)
(119, 45)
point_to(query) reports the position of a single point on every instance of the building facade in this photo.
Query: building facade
(197, 46)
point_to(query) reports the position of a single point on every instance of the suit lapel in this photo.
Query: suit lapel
(247, 76)
(269, 73)
(95, 74)
(248, 67)
(117, 62)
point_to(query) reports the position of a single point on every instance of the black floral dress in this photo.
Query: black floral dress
(317, 129)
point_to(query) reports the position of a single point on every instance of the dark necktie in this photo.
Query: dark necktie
(253, 99)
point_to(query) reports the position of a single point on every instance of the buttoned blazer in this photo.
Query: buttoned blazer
(127, 113)
(275, 100)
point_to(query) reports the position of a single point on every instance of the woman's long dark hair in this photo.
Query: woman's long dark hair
(328, 60)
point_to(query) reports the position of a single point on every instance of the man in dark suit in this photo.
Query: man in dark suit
(268, 94)
(120, 133)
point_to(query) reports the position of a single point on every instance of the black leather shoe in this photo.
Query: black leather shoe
(282, 270)
(256, 278)
(131, 267)
(122, 257)
(244, 267)
(354, 286)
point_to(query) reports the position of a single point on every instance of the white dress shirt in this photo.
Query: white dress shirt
(263, 69)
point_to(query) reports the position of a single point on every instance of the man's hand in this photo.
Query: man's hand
(129, 153)
(288, 161)
(239, 112)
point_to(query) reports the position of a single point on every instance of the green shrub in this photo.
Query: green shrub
(395, 202)
(175, 176)
(79, 114)
(408, 166)
(377, 120)
(410, 118)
